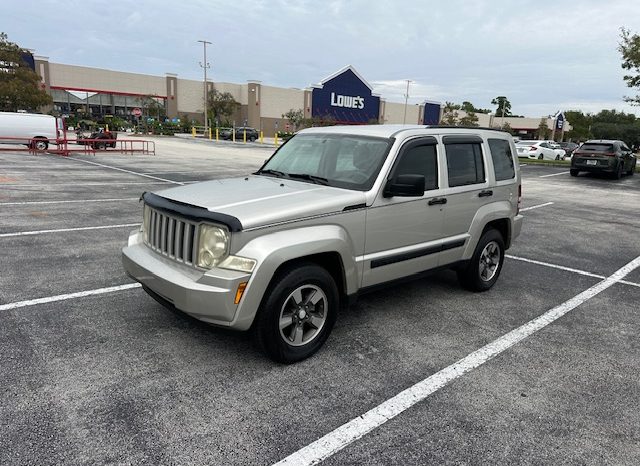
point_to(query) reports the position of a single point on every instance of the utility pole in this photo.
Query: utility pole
(406, 99)
(204, 65)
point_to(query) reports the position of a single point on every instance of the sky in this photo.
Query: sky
(544, 56)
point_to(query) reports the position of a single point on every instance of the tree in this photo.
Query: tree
(470, 119)
(222, 105)
(543, 130)
(629, 48)
(580, 125)
(470, 108)
(295, 117)
(19, 84)
(504, 106)
(450, 114)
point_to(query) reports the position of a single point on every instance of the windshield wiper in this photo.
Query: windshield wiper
(268, 171)
(312, 178)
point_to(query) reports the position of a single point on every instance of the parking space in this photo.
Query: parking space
(113, 377)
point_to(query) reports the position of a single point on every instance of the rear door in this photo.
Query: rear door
(467, 189)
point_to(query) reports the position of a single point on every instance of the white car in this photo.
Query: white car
(540, 150)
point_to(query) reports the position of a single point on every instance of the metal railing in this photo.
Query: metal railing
(77, 145)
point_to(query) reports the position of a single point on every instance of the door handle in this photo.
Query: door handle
(485, 193)
(437, 200)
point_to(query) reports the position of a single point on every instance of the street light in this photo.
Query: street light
(406, 99)
(204, 65)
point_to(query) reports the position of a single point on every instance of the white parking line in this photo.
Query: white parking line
(63, 297)
(61, 230)
(536, 206)
(553, 174)
(344, 435)
(97, 183)
(567, 269)
(69, 202)
(124, 170)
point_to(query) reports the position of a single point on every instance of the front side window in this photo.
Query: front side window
(464, 164)
(419, 160)
(340, 160)
(502, 159)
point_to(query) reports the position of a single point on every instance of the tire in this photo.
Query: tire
(618, 173)
(573, 172)
(40, 144)
(288, 298)
(252, 138)
(540, 157)
(490, 254)
(101, 146)
(558, 157)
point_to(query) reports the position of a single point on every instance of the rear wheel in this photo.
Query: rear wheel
(618, 173)
(298, 313)
(573, 172)
(483, 270)
(540, 157)
(101, 145)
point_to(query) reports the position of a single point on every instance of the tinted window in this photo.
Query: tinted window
(502, 159)
(420, 160)
(464, 164)
(597, 147)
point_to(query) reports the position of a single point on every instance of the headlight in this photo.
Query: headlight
(212, 246)
(146, 217)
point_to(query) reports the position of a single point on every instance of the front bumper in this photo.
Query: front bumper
(208, 296)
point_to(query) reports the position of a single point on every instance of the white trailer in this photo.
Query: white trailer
(31, 129)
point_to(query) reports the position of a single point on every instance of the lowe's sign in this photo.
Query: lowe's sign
(346, 98)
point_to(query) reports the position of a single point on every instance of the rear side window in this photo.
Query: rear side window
(420, 160)
(464, 164)
(502, 159)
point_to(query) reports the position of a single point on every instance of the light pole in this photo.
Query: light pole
(204, 65)
(406, 99)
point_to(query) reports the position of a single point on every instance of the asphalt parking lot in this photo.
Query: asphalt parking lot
(96, 372)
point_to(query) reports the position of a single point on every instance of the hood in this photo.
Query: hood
(262, 200)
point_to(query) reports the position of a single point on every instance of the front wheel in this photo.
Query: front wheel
(40, 144)
(297, 314)
(618, 173)
(573, 172)
(632, 169)
(483, 270)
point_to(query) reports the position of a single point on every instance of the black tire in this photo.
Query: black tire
(279, 343)
(252, 138)
(558, 157)
(101, 146)
(619, 169)
(573, 172)
(471, 277)
(541, 157)
(40, 144)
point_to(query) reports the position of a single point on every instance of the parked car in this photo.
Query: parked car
(31, 129)
(336, 211)
(568, 147)
(252, 133)
(604, 156)
(539, 150)
(99, 140)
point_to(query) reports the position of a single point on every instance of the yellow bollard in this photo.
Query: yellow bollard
(276, 139)
(244, 136)
(233, 134)
(217, 135)
(193, 131)
(261, 137)
(209, 134)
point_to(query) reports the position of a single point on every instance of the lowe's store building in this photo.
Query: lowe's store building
(344, 97)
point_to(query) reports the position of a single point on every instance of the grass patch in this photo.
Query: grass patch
(550, 163)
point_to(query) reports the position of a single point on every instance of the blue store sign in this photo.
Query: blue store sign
(431, 113)
(346, 97)
(560, 121)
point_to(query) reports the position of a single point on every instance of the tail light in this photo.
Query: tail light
(532, 149)
(610, 154)
(519, 199)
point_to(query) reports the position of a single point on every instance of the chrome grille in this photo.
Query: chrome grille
(172, 237)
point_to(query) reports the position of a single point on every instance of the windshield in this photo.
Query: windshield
(597, 147)
(343, 161)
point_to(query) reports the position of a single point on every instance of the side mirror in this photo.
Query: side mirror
(405, 186)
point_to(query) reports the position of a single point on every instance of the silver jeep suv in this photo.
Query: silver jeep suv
(333, 213)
